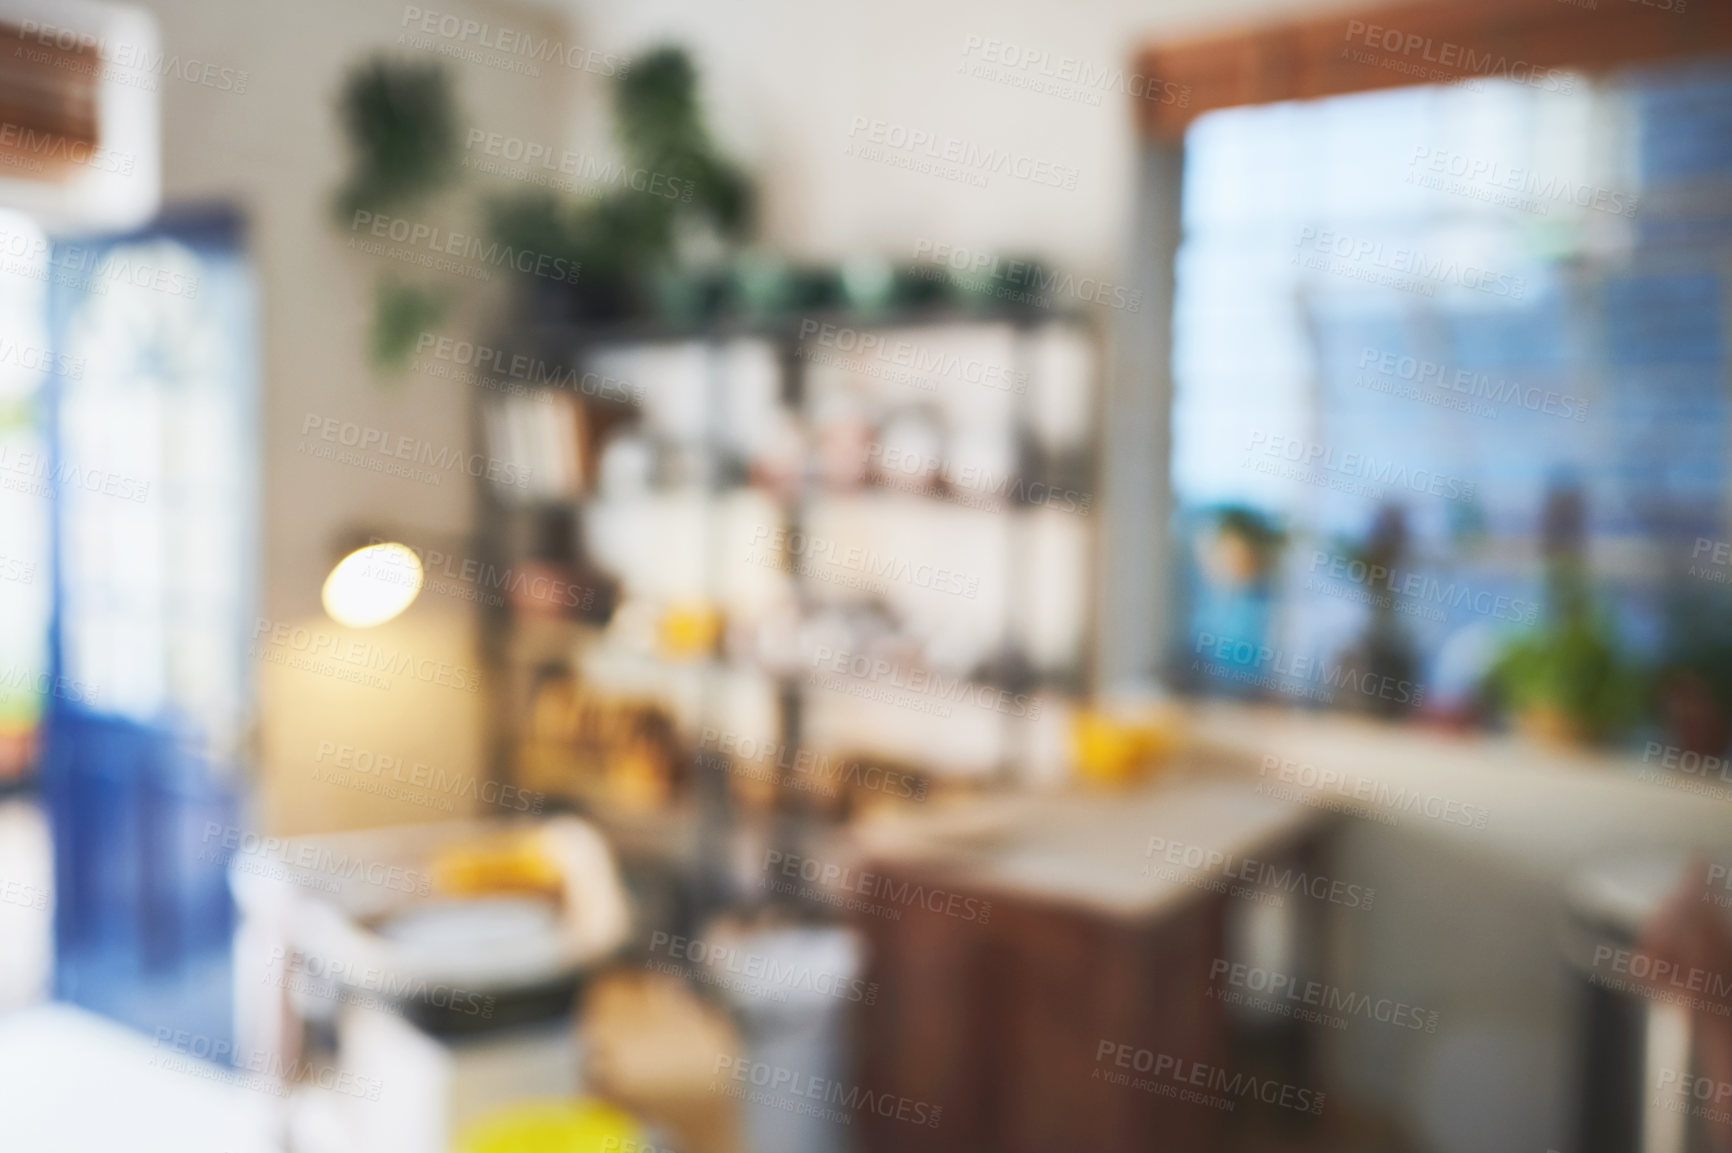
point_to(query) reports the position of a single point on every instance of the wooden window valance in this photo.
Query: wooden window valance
(1429, 42)
(48, 100)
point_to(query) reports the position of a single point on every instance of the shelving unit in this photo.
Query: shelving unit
(950, 469)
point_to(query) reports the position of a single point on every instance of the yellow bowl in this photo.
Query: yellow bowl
(1111, 749)
(553, 1127)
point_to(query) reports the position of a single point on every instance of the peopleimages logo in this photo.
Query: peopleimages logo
(1195, 1082)
(1688, 761)
(1633, 970)
(24, 895)
(542, 165)
(627, 1145)
(440, 242)
(310, 974)
(308, 857)
(383, 768)
(1483, 179)
(1025, 279)
(491, 361)
(127, 64)
(972, 162)
(22, 678)
(901, 353)
(1307, 781)
(1722, 874)
(823, 553)
(972, 485)
(1287, 672)
(35, 359)
(474, 580)
(794, 1091)
(513, 45)
(91, 269)
(722, 962)
(1674, 1089)
(1263, 874)
(394, 454)
(43, 148)
(1422, 587)
(287, 642)
(844, 879)
(17, 569)
(1389, 264)
(1472, 385)
(34, 473)
(1456, 62)
(218, 1060)
(810, 772)
(1288, 996)
(1067, 77)
(937, 691)
(1358, 466)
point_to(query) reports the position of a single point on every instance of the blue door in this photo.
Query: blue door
(148, 713)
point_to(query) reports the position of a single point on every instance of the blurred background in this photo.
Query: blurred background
(582, 576)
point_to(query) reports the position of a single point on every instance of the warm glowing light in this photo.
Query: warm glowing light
(371, 585)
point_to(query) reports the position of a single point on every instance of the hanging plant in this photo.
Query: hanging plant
(660, 128)
(400, 120)
(629, 241)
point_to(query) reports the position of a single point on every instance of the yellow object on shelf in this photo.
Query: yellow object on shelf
(515, 863)
(689, 630)
(553, 1127)
(1113, 748)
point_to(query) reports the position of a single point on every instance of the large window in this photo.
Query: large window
(1433, 343)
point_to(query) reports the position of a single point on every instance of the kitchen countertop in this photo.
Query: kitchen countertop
(1251, 779)
(1108, 851)
(1537, 809)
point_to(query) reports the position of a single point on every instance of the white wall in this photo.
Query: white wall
(277, 151)
(785, 80)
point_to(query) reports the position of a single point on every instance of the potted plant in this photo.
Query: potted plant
(1568, 681)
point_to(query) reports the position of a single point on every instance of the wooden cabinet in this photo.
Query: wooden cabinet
(1000, 1025)
(1000, 1019)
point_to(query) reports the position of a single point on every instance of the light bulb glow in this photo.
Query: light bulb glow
(372, 585)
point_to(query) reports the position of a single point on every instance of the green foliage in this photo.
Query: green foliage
(614, 243)
(400, 119)
(1574, 670)
(1570, 666)
(401, 313)
(660, 127)
(627, 241)
(668, 239)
